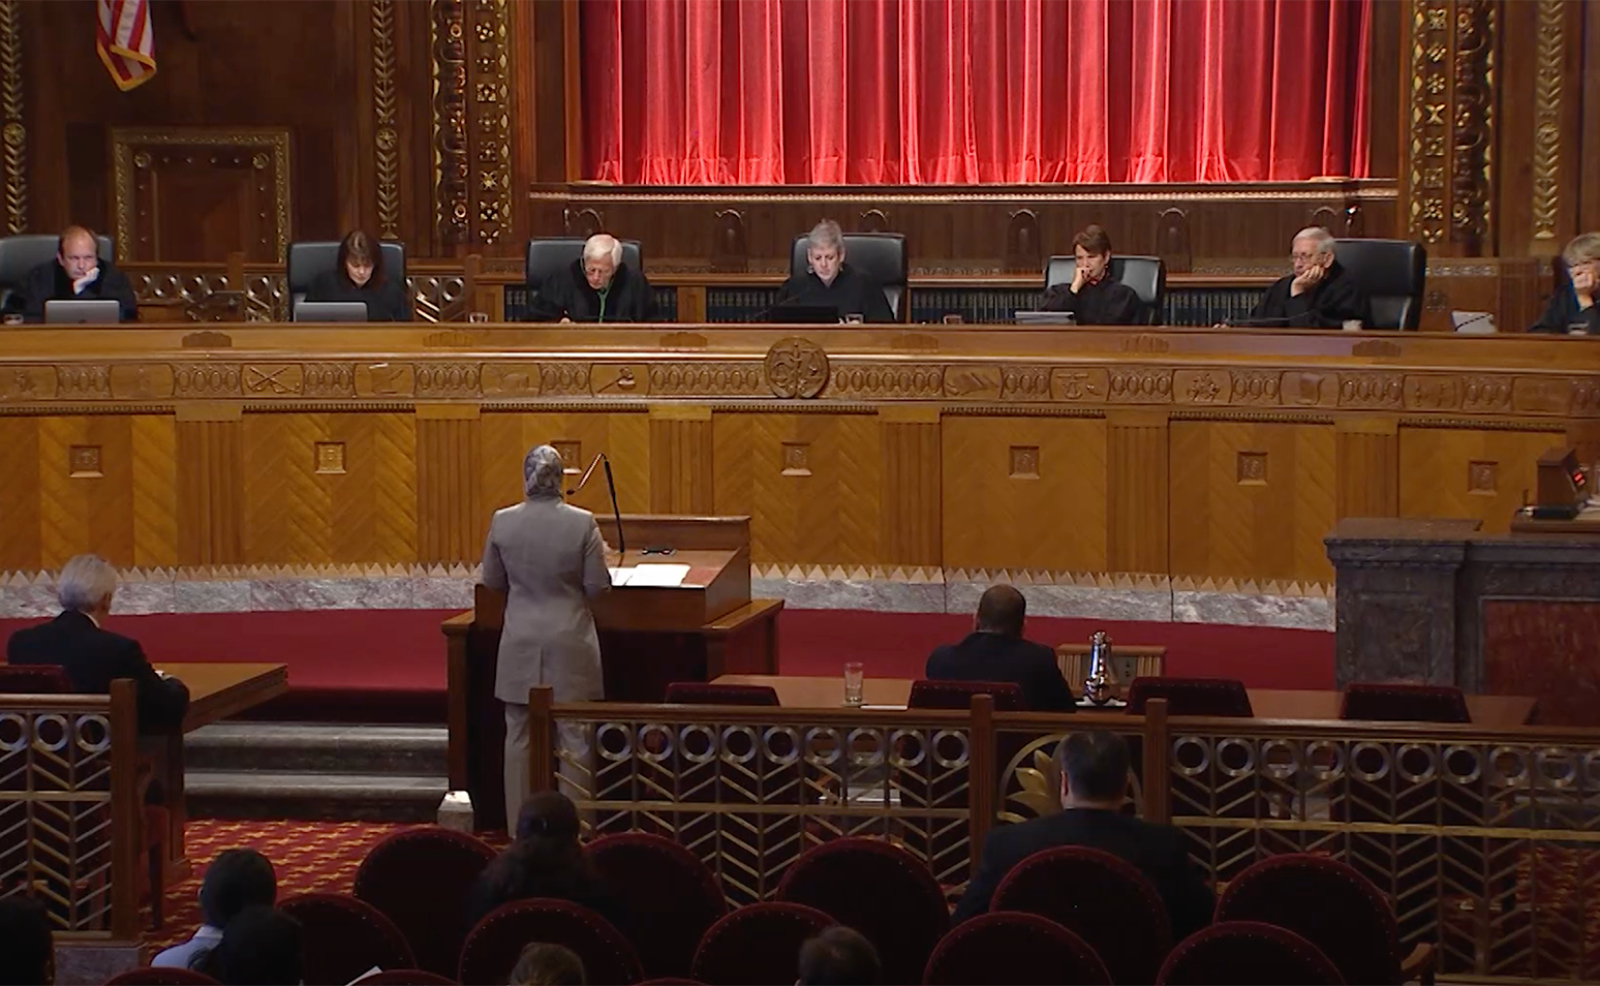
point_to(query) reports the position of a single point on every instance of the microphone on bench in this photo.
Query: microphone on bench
(611, 486)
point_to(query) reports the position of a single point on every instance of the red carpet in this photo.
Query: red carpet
(396, 657)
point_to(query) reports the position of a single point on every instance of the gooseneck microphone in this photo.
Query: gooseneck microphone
(611, 486)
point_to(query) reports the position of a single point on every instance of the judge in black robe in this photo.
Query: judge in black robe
(77, 273)
(1320, 294)
(597, 287)
(359, 276)
(832, 283)
(1094, 296)
(1572, 307)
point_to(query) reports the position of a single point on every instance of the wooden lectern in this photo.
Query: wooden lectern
(649, 636)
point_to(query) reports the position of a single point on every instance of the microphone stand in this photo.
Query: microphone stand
(611, 486)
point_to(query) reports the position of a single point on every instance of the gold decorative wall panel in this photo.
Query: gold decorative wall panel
(1547, 111)
(385, 112)
(1450, 125)
(13, 126)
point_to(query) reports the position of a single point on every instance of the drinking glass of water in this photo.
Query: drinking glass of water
(854, 676)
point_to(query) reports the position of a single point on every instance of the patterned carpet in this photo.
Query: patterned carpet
(307, 856)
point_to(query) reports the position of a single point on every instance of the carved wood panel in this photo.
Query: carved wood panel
(1455, 472)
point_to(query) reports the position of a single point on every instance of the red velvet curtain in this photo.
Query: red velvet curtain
(973, 91)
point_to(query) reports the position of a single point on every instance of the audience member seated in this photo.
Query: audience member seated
(93, 657)
(1573, 303)
(259, 947)
(832, 283)
(1320, 294)
(27, 954)
(598, 287)
(547, 965)
(1094, 296)
(996, 651)
(235, 880)
(545, 861)
(76, 274)
(839, 956)
(359, 276)
(1094, 781)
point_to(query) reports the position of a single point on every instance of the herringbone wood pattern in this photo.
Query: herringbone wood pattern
(623, 436)
(1053, 518)
(1226, 519)
(19, 494)
(153, 454)
(1437, 476)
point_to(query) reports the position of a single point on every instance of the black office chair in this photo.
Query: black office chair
(1393, 273)
(310, 258)
(21, 254)
(881, 256)
(549, 254)
(1147, 276)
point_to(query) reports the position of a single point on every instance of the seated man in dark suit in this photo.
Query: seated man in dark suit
(1320, 294)
(598, 287)
(76, 274)
(1094, 781)
(995, 651)
(93, 657)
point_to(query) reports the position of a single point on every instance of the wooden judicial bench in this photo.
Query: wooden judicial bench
(650, 636)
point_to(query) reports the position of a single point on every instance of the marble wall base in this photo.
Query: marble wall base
(1140, 598)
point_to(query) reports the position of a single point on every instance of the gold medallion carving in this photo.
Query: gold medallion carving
(796, 367)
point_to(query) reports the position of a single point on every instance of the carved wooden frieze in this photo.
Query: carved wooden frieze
(143, 382)
(510, 380)
(1025, 383)
(1432, 392)
(708, 379)
(1140, 385)
(28, 383)
(79, 382)
(975, 383)
(1371, 390)
(872, 381)
(564, 379)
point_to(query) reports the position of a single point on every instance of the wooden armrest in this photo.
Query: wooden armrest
(750, 612)
(1419, 965)
(458, 624)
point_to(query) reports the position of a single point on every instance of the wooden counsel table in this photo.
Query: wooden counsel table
(216, 691)
(1491, 711)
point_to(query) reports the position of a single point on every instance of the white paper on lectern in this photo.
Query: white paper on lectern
(620, 576)
(665, 576)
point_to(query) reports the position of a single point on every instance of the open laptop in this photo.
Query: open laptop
(1045, 318)
(330, 311)
(83, 311)
(803, 314)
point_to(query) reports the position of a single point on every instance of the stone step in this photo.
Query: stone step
(303, 747)
(272, 794)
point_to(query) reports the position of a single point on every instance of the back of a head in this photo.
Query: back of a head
(1095, 764)
(839, 956)
(260, 947)
(550, 814)
(236, 879)
(86, 583)
(543, 964)
(1002, 609)
(27, 955)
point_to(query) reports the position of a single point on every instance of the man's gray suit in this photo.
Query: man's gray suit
(550, 560)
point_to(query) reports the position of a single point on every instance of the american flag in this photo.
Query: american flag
(126, 42)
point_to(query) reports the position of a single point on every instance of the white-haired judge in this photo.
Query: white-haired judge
(597, 287)
(92, 656)
(832, 283)
(1320, 294)
(549, 559)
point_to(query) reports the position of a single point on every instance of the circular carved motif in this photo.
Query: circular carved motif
(15, 134)
(796, 367)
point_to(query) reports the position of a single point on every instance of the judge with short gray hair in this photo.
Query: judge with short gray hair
(1320, 294)
(92, 656)
(549, 559)
(597, 287)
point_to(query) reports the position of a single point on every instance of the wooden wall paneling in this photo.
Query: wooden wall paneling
(287, 509)
(911, 512)
(375, 498)
(1137, 453)
(1368, 467)
(451, 521)
(19, 494)
(809, 482)
(681, 460)
(1252, 496)
(210, 484)
(85, 488)
(1588, 162)
(1454, 472)
(153, 462)
(1024, 492)
(578, 435)
(1540, 67)
(1386, 96)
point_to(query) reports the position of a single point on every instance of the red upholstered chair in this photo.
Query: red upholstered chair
(1404, 703)
(1332, 906)
(419, 879)
(637, 866)
(149, 976)
(1247, 953)
(405, 977)
(878, 889)
(1008, 947)
(927, 693)
(705, 693)
(344, 937)
(492, 947)
(757, 945)
(1101, 897)
(1192, 696)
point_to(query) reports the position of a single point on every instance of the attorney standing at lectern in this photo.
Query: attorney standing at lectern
(832, 283)
(549, 559)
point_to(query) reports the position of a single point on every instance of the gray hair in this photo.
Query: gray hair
(603, 245)
(542, 472)
(86, 582)
(1583, 248)
(1319, 237)
(825, 234)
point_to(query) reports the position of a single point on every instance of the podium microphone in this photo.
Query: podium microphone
(611, 485)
